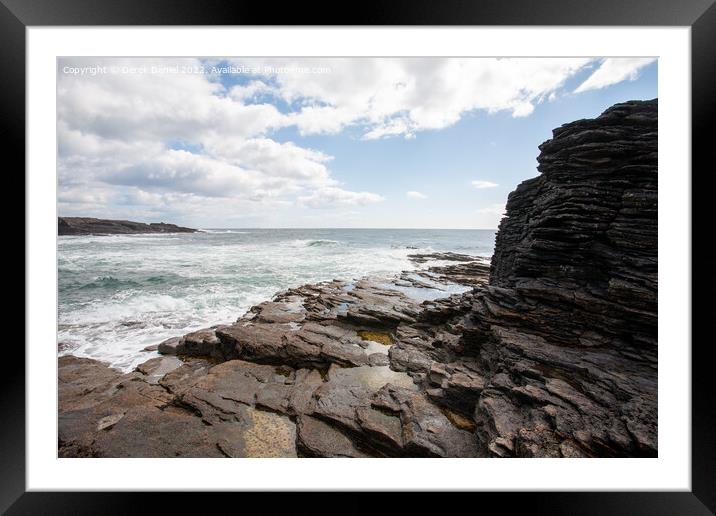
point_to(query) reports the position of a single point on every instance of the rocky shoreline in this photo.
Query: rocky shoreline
(549, 350)
(92, 226)
(316, 371)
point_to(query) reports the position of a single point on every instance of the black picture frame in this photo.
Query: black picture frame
(700, 15)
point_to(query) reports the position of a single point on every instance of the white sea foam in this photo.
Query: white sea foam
(223, 231)
(119, 294)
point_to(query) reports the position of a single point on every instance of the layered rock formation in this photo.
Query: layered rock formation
(582, 237)
(549, 351)
(91, 226)
(571, 309)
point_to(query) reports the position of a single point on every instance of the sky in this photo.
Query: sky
(318, 142)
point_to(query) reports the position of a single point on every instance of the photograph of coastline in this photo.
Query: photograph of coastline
(357, 257)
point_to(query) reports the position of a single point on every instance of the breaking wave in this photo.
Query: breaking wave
(120, 294)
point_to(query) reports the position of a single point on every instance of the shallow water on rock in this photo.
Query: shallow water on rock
(432, 291)
(371, 377)
(375, 347)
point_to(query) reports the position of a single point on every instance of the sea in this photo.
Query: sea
(118, 294)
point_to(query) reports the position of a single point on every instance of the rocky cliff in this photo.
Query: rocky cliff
(581, 238)
(549, 351)
(570, 315)
(91, 226)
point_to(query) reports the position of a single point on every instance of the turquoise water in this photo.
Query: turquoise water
(118, 294)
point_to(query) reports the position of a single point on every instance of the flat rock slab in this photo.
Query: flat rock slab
(106, 414)
(319, 439)
(156, 368)
(369, 377)
(257, 433)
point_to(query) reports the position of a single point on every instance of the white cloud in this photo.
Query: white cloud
(164, 133)
(86, 196)
(331, 196)
(182, 171)
(612, 71)
(251, 90)
(132, 106)
(285, 160)
(522, 109)
(416, 195)
(399, 97)
(483, 184)
(489, 216)
(394, 127)
(147, 140)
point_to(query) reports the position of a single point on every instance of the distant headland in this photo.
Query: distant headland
(92, 226)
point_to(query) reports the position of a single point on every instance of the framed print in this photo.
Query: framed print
(434, 250)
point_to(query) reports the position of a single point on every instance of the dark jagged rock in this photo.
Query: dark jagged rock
(550, 351)
(92, 226)
(570, 316)
(582, 237)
